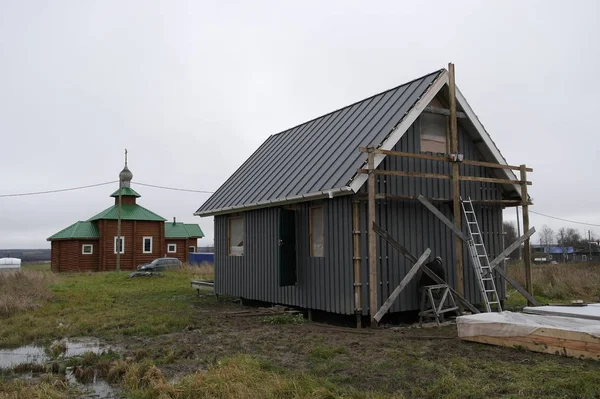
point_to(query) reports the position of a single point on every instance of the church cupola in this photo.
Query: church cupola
(128, 195)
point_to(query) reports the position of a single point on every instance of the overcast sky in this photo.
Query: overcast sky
(192, 88)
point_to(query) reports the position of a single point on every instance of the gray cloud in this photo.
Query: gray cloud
(191, 89)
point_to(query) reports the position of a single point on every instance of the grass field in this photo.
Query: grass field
(173, 344)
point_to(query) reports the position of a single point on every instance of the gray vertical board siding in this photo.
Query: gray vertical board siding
(324, 283)
(417, 228)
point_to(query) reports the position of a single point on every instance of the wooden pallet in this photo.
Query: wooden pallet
(558, 341)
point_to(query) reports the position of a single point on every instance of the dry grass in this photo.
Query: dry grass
(203, 271)
(51, 387)
(563, 281)
(240, 377)
(24, 290)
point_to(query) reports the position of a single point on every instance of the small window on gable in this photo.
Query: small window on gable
(147, 245)
(317, 232)
(171, 248)
(236, 236)
(87, 249)
(434, 133)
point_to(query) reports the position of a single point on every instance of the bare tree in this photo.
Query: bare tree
(546, 238)
(510, 236)
(569, 237)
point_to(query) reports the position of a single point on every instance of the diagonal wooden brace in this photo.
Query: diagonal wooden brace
(397, 246)
(409, 276)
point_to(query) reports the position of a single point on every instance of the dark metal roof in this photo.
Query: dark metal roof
(316, 156)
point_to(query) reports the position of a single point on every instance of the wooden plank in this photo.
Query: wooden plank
(373, 282)
(409, 276)
(356, 259)
(443, 111)
(455, 182)
(407, 174)
(492, 180)
(527, 248)
(517, 286)
(456, 230)
(444, 158)
(511, 248)
(396, 245)
(493, 165)
(533, 345)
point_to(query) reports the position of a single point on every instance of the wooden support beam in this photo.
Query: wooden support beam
(397, 246)
(504, 203)
(511, 248)
(530, 299)
(527, 248)
(444, 158)
(373, 281)
(443, 111)
(356, 259)
(455, 180)
(443, 218)
(401, 173)
(409, 276)
(492, 180)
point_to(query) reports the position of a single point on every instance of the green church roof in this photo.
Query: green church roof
(183, 230)
(128, 212)
(127, 192)
(81, 230)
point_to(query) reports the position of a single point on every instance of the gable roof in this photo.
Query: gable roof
(183, 230)
(320, 158)
(81, 230)
(128, 212)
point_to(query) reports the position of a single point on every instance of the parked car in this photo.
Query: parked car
(160, 264)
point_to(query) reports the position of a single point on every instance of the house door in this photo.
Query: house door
(287, 247)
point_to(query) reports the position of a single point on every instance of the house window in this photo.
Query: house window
(171, 248)
(433, 133)
(87, 249)
(191, 248)
(317, 232)
(147, 245)
(236, 236)
(119, 246)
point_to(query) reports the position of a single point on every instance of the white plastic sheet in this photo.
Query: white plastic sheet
(591, 311)
(509, 324)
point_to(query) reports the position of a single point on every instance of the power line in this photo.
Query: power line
(101, 184)
(565, 220)
(173, 188)
(58, 191)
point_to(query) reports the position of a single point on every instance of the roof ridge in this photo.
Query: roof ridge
(359, 101)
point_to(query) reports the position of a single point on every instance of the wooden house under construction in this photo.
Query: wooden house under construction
(292, 224)
(92, 245)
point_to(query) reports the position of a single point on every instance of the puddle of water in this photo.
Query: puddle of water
(38, 354)
(98, 388)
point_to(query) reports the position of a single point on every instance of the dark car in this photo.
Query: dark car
(160, 264)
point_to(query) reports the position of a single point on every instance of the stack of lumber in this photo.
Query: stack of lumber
(566, 336)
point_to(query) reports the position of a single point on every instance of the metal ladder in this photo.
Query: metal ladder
(480, 259)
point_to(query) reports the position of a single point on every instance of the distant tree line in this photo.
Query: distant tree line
(547, 237)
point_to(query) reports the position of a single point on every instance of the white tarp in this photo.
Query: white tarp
(591, 311)
(10, 263)
(509, 324)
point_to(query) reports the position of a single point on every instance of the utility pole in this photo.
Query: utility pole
(590, 245)
(519, 233)
(119, 242)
